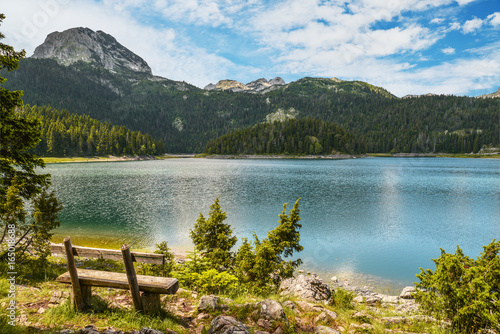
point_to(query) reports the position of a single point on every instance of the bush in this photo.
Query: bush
(157, 269)
(463, 290)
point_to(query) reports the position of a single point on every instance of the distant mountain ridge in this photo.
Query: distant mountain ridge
(90, 73)
(258, 86)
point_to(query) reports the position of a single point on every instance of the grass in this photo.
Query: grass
(113, 308)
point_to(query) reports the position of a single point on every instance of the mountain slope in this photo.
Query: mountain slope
(107, 84)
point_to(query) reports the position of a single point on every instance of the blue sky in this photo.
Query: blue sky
(405, 46)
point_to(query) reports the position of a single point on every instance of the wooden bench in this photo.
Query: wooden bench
(145, 290)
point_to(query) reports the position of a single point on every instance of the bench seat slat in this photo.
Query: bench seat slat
(108, 254)
(160, 285)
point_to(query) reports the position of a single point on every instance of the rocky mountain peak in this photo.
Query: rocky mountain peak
(257, 86)
(84, 44)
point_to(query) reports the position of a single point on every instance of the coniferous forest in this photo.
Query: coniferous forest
(297, 137)
(66, 134)
(186, 118)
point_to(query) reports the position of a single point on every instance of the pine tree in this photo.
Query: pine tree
(213, 237)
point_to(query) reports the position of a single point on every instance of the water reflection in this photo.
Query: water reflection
(382, 218)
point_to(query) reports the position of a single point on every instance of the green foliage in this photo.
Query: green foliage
(20, 186)
(156, 269)
(197, 273)
(213, 237)
(263, 264)
(293, 136)
(463, 290)
(342, 299)
(66, 134)
(375, 119)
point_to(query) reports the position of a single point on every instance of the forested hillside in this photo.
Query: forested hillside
(297, 137)
(186, 118)
(66, 134)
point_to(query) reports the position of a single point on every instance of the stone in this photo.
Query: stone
(89, 329)
(223, 324)
(263, 323)
(334, 279)
(325, 330)
(272, 310)
(310, 288)
(408, 292)
(208, 303)
(289, 304)
(369, 300)
(362, 316)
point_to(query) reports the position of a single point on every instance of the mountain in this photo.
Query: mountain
(494, 95)
(99, 48)
(261, 86)
(90, 73)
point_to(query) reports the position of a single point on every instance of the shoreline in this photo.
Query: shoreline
(56, 160)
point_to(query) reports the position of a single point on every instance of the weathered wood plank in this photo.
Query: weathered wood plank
(161, 285)
(76, 292)
(109, 254)
(131, 277)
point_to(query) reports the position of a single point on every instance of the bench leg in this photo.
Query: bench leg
(86, 294)
(150, 302)
(86, 291)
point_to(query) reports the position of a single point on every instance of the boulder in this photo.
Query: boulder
(310, 288)
(224, 324)
(408, 292)
(272, 310)
(325, 330)
(208, 303)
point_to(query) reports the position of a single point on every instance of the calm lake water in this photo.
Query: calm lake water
(374, 221)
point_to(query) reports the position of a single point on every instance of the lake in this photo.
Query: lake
(373, 221)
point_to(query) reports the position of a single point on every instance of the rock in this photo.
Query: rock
(90, 329)
(289, 304)
(278, 81)
(310, 288)
(305, 306)
(83, 44)
(272, 310)
(325, 330)
(369, 300)
(362, 316)
(210, 86)
(408, 292)
(146, 330)
(208, 303)
(58, 297)
(41, 310)
(223, 324)
(334, 279)
(264, 323)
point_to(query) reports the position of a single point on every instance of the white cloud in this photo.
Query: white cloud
(472, 25)
(448, 51)
(168, 53)
(494, 19)
(437, 20)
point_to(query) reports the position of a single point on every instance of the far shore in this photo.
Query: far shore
(111, 158)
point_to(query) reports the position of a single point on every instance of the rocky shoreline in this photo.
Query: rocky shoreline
(308, 297)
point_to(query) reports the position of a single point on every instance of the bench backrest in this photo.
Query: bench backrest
(108, 254)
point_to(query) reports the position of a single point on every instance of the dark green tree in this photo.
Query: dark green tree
(463, 290)
(20, 185)
(213, 238)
